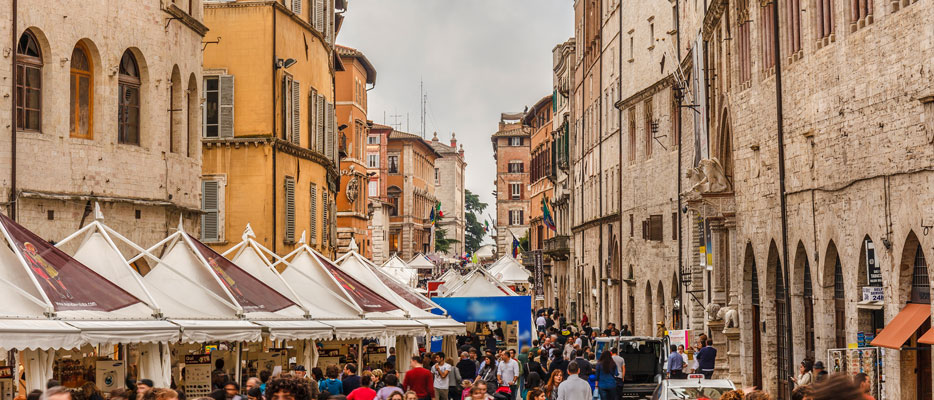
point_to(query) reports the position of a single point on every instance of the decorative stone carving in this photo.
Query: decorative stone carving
(353, 189)
(730, 317)
(708, 177)
(713, 312)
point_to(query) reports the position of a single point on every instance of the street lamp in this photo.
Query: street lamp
(286, 63)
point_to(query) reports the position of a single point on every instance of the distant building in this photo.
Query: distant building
(351, 91)
(410, 191)
(107, 110)
(511, 151)
(541, 175)
(377, 176)
(449, 188)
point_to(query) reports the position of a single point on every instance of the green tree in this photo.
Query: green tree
(442, 243)
(474, 230)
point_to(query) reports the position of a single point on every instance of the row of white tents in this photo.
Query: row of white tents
(494, 280)
(50, 299)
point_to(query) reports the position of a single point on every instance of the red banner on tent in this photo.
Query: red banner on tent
(365, 297)
(403, 291)
(252, 294)
(68, 284)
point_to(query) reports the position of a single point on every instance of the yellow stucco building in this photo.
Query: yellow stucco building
(269, 131)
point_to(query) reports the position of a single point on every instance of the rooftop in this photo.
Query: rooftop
(350, 52)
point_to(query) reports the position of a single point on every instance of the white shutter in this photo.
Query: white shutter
(329, 16)
(313, 194)
(226, 103)
(320, 121)
(328, 136)
(332, 133)
(333, 237)
(319, 15)
(289, 210)
(297, 7)
(312, 120)
(326, 222)
(210, 206)
(296, 113)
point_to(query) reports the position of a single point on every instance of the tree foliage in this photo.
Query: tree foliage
(474, 230)
(442, 243)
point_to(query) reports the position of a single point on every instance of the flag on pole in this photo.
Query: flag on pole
(546, 216)
(474, 259)
(515, 246)
(486, 226)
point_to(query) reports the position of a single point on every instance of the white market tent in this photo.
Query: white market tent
(53, 301)
(400, 271)
(326, 308)
(477, 283)
(508, 270)
(420, 261)
(412, 303)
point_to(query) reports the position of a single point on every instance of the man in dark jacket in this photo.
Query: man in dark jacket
(466, 367)
(585, 368)
(706, 359)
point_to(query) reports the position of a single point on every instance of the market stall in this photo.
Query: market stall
(509, 271)
(397, 268)
(53, 303)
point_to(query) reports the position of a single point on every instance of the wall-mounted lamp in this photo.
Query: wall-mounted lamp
(288, 62)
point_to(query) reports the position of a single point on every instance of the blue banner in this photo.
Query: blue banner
(496, 308)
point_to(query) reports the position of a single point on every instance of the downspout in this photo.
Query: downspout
(12, 209)
(779, 117)
(619, 176)
(274, 131)
(600, 260)
(678, 121)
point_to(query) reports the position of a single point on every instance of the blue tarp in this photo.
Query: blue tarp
(496, 308)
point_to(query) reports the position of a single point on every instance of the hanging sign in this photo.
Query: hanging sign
(197, 375)
(873, 271)
(539, 276)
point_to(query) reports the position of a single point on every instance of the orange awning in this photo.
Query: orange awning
(927, 338)
(900, 328)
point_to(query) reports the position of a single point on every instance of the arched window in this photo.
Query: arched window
(808, 311)
(28, 83)
(82, 93)
(129, 101)
(839, 305)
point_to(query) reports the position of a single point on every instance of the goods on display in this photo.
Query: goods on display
(6, 383)
(110, 375)
(197, 375)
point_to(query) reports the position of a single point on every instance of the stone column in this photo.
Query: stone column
(734, 360)
(722, 367)
(735, 266)
(720, 261)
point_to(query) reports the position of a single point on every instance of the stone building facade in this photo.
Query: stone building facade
(270, 148)
(558, 247)
(511, 149)
(451, 191)
(787, 198)
(594, 162)
(410, 168)
(351, 91)
(107, 111)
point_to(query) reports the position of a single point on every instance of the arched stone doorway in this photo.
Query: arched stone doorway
(832, 285)
(915, 287)
(661, 312)
(752, 311)
(780, 327)
(649, 317)
(803, 299)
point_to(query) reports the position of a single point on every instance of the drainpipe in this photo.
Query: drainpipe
(12, 209)
(619, 176)
(678, 121)
(600, 260)
(275, 133)
(789, 348)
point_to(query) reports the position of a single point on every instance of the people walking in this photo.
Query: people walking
(441, 374)
(804, 377)
(488, 374)
(574, 388)
(554, 381)
(419, 380)
(507, 373)
(331, 384)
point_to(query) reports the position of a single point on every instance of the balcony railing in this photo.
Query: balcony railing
(558, 247)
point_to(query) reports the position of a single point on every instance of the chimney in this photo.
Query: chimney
(453, 140)
(461, 151)
(434, 139)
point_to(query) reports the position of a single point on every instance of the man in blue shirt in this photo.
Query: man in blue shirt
(706, 358)
(675, 364)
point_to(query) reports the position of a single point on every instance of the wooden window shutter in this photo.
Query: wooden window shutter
(297, 7)
(210, 204)
(312, 113)
(320, 122)
(289, 210)
(656, 227)
(313, 194)
(284, 107)
(319, 15)
(333, 221)
(296, 113)
(324, 216)
(226, 105)
(329, 20)
(332, 127)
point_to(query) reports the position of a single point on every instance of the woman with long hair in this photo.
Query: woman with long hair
(535, 394)
(606, 376)
(551, 388)
(488, 374)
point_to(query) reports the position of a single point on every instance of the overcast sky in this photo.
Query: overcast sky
(477, 58)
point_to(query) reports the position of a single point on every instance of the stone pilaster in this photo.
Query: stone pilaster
(734, 361)
(722, 367)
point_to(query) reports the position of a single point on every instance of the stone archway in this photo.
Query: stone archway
(802, 298)
(775, 280)
(661, 311)
(724, 143)
(915, 287)
(833, 291)
(751, 316)
(646, 327)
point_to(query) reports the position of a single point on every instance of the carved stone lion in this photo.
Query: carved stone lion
(713, 312)
(708, 177)
(730, 317)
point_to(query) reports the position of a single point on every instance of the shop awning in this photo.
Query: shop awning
(444, 326)
(21, 334)
(297, 330)
(116, 332)
(357, 329)
(403, 327)
(900, 328)
(200, 331)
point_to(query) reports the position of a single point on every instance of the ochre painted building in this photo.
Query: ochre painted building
(541, 182)
(411, 192)
(269, 136)
(511, 151)
(351, 89)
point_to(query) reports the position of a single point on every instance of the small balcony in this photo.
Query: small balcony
(558, 247)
